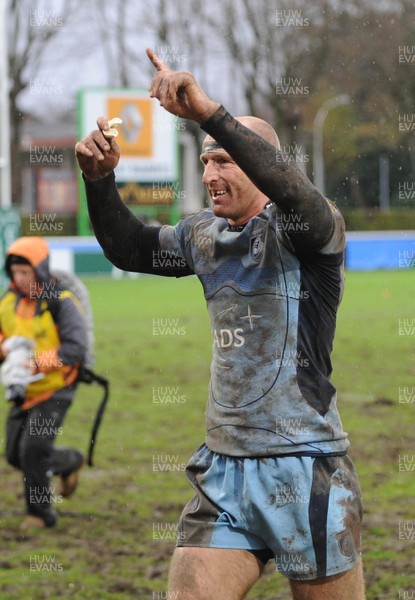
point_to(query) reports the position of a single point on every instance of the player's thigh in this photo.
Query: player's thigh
(345, 586)
(212, 573)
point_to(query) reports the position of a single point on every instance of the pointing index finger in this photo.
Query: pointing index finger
(156, 60)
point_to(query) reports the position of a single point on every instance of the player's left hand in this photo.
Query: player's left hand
(179, 93)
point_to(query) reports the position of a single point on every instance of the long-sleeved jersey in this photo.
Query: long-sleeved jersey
(272, 290)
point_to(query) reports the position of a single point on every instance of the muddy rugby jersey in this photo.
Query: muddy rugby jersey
(272, 290)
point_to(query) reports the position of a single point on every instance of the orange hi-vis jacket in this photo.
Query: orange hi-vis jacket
(51, 317)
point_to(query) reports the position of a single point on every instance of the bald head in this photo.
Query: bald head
(258, 126)
(261, 128)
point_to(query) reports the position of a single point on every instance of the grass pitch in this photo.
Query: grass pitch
(115, 536)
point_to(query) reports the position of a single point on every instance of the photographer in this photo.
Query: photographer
(42, 343)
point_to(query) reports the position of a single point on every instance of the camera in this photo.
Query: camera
(15, 372)
(16, 393)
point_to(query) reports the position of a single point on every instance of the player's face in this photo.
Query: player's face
(233, 194)
(24, 278)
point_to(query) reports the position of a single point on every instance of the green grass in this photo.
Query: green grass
(105, 544)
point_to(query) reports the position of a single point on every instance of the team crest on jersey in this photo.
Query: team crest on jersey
(256, 245)
(204, 244)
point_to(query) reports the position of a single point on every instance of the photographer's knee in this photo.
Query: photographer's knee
(33, 451)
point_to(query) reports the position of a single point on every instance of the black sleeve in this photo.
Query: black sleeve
(280, 180)
(126, 241)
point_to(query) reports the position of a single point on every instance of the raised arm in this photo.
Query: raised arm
(126, 241)
(312, 216)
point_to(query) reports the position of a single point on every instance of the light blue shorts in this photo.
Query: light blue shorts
(305, 512)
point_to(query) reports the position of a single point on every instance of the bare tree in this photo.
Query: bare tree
(38, 35)
(277, 59)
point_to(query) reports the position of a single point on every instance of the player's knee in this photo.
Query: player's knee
(348, 585)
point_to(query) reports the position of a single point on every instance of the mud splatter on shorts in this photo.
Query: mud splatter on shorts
(306, 511)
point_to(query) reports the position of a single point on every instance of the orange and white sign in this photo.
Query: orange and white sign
(147, 135)
(136, 131)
